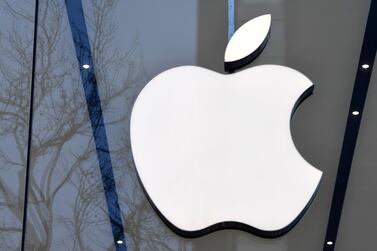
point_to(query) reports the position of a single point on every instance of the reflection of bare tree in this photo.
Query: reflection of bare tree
(67, 210)
(15, 62)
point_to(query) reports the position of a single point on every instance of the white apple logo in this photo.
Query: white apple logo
(214, 151)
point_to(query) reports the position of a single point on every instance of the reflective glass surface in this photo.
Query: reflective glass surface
(93, 58)
(16, 50)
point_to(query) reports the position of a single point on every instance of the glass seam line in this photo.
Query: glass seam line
(30, 131)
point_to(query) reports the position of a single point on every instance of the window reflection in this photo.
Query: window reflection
(16, 46)
(67, 202)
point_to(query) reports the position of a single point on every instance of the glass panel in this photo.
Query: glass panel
(73, 151)
(67, 209)
(16, 50)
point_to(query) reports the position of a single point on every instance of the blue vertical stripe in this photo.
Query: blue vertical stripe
(230, 18)
(81, 42)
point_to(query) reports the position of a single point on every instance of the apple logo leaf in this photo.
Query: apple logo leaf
(247, 43)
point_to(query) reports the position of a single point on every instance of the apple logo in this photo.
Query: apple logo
(214, 151)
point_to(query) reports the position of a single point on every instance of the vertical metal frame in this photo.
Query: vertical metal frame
(359, 94)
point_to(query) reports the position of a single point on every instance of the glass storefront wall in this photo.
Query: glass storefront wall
(80, 141)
